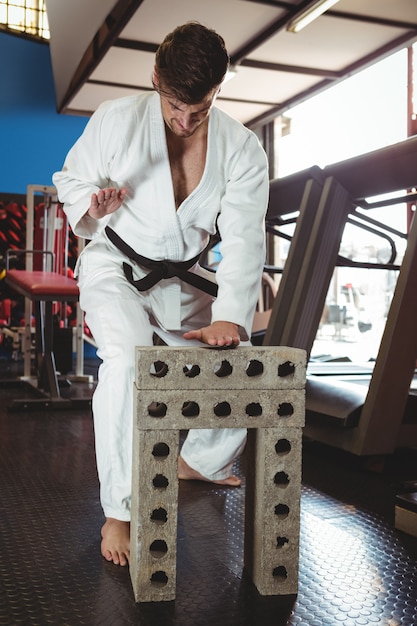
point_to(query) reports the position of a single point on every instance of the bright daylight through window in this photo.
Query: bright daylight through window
(25, 16)
(363, 113)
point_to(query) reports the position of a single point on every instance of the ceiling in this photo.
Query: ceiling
(104, 49)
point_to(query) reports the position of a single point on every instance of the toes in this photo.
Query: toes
(115, 557)
(107, 555)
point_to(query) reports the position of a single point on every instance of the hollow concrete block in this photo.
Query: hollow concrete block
(261, 389)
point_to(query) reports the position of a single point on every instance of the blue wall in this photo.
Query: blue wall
(34, 138)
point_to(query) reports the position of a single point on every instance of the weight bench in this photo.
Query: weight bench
(43, 289)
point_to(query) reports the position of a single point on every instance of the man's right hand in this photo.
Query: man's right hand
(106, 201)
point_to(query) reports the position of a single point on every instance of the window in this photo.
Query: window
(363, 113)
(25, 16)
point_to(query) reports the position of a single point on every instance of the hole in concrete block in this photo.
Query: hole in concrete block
(280, 573)
(285, 409)
(190, 409)
(159, 579)
(160, 450)
(282, 446)
(159, 516)
(160, 481)
(157, 409)
(222, 409)
(191, 371)
(281, 478)
(254, 368)
(282, 541)
(253, 409)
(158, 548)
(286, 369)
(223, 369)
(282, 510)
(159, 369)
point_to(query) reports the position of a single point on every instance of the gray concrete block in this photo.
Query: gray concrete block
(272, 509)
(219, 408)
(262, 389)
(154, 515)
(272, 367)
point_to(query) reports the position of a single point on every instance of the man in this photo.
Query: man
(154, 175)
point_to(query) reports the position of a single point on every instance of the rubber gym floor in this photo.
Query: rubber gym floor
(355, 567)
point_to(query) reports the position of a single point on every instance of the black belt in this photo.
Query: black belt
(159, 269)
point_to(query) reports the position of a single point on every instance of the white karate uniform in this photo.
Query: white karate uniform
(124, 145)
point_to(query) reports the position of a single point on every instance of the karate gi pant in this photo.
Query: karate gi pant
(121, 318)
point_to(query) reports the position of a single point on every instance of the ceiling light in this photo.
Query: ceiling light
(307, 15)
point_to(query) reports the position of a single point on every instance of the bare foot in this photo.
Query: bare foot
(115, 545)
(185, 472)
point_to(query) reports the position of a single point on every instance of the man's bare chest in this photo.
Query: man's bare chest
(187, 168)
(186, 175)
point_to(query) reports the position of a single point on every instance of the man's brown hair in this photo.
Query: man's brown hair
(190, 62)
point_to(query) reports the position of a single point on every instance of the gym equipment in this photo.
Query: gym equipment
(45, 288)
(326, 199)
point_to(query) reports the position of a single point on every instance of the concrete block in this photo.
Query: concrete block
(272, 367)
(219, 408)
(261, 389)
(272, 509)
(154, 515)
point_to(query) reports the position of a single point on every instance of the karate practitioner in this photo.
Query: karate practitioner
(156, 173)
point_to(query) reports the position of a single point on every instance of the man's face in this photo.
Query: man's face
(184, 119)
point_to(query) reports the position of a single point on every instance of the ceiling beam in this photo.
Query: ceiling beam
(104, 38)
(292, 69)
(394, 46)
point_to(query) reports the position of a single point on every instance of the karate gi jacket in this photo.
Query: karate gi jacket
(124, 145)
